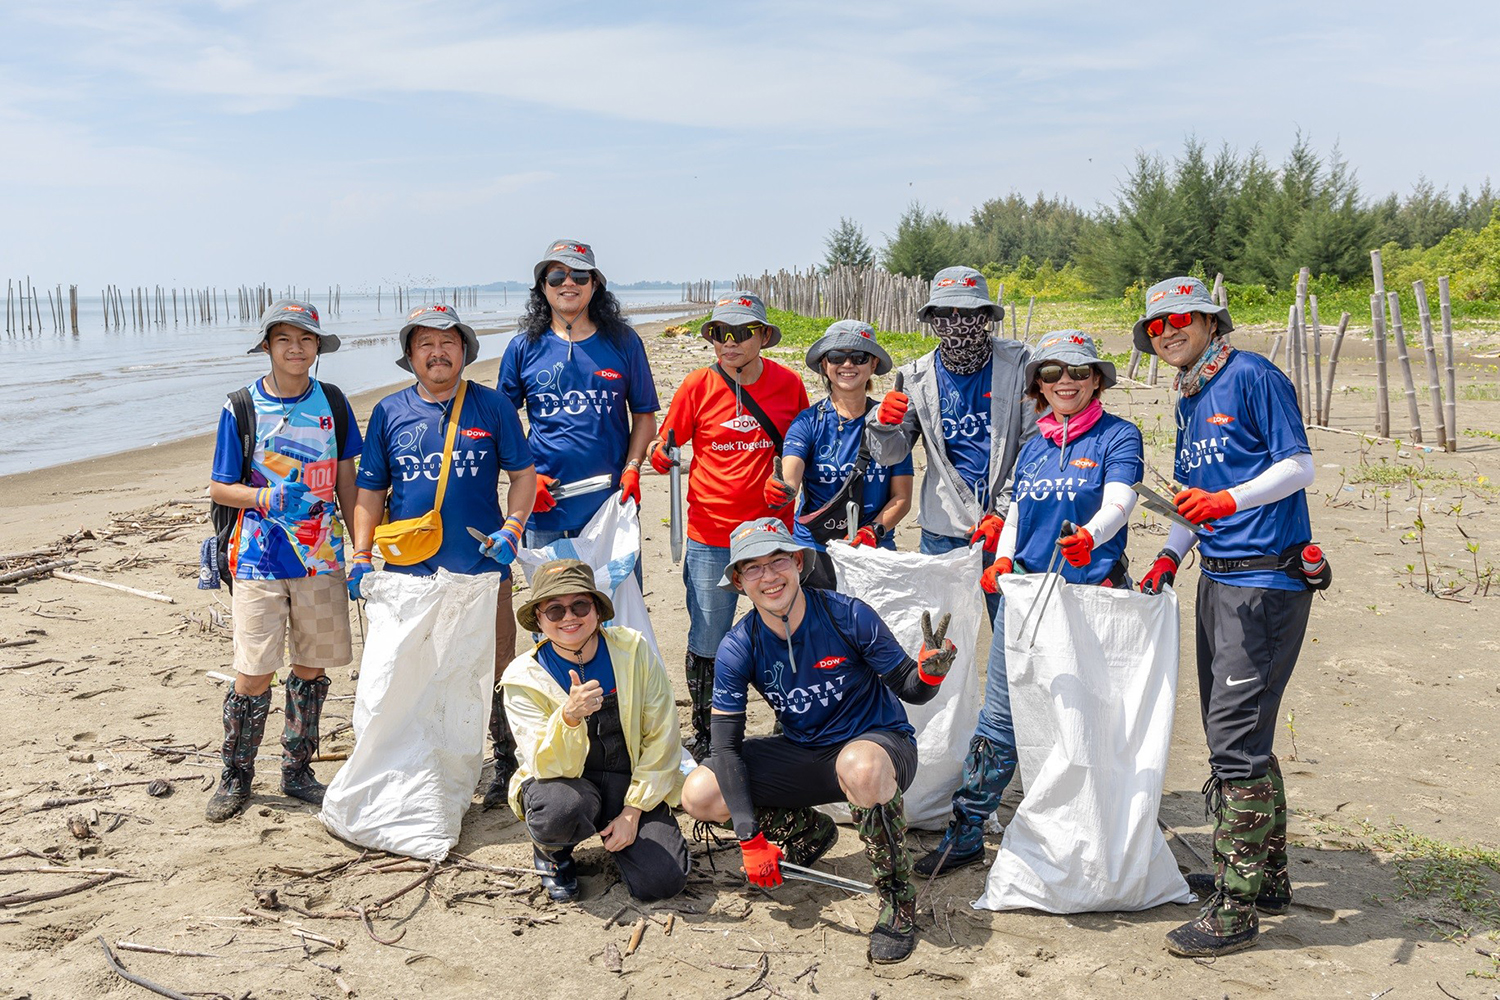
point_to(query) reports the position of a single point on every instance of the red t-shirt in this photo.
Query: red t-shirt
(732, 455)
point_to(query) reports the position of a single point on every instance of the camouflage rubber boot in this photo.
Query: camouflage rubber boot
(498, 792)
(804, 835)
(244, 726)
(299, 739)
(1275, 896)
(883, 829)
(1244, 813)
(700, 685)
(987, 770)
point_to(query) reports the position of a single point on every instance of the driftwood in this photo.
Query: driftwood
(21, 898)
(149, 595)
(141, 981)
(40, 569)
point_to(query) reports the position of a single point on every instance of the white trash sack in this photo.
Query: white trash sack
(1092, 701)
(900, 586)
(421, 711)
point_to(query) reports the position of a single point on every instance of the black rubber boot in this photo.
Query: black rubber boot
(700, 685)
(244, 726)
(299, 738)
(559, 874)
(505, 753)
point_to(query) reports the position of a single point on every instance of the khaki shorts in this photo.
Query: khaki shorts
(314, 608)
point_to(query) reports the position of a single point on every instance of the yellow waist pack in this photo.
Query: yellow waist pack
(416, 539)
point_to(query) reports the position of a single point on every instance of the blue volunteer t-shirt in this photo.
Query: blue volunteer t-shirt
(1245, 420)
(578, 409)
(292, 436)
(404, 451)
(833, 692)
(1046, 494)
(964, 401)
(601, 668)
(829, 445)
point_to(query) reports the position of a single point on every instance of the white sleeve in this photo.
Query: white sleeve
(1180, 540)
(1006, 548)
(1114, 512)
(1277, 483)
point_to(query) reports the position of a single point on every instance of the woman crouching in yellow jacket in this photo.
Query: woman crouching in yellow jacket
(596, 733)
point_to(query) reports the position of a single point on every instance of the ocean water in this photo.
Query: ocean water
(64, 398)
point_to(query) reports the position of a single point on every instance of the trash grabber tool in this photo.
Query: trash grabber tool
(1049, 584)
(675, 454)
(824, 878)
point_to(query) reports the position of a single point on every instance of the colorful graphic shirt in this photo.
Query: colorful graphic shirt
(1242, 422)
(832, 692)
(829, 445)
(291, 436)
(732, 456)
(405, 452)
(964, 401)
(579, 399)
(1048, 492)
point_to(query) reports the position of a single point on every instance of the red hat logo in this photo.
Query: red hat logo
(1185, 289)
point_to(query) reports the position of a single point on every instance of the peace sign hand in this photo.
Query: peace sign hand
(937, 654)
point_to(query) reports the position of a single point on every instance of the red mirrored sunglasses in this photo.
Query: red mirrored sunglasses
(1155, 327)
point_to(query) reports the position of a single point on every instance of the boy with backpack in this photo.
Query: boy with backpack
(285, 451)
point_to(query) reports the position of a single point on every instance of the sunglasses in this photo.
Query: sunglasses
(778, 565)
(1054, 373)
(738, 334)
(556, 278)
(1155, 327)
(578, 609)
(848, 357)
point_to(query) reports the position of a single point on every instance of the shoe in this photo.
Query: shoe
(1243, 811)
(895, 935)
(1223, 927)
(947, 858)
(559, 874)
(988, 768)
(1274, 899)
(883, 830)
(244, 726)
(299, 738)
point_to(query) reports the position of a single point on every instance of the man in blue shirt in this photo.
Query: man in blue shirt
(1243, 457)
(402, 465)
(835, 677)
(286, 552)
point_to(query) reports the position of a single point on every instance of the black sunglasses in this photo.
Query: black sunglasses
(555, 278)
(738, 334)
(579, 609)
(1054, 373)
(851, 357)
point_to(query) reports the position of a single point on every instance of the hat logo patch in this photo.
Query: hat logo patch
(741, 301)
(1158, 296)
(1185, 289)
(608, 373)
(574, 247)
(830, 663)
(1220, 419)
(1084, 463)
(965, 282)
(426, 309)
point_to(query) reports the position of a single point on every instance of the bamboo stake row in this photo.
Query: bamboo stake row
(889, 301)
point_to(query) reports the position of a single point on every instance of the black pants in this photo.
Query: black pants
(1248, 642)
(788, 775)
(563, 812)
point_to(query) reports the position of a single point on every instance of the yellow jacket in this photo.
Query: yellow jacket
(547, 747)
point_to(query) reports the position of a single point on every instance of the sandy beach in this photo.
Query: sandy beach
(1389, 745)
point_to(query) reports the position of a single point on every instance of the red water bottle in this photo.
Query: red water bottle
(1315, 567)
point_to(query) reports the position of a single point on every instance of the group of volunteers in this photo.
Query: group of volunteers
(1021, 458)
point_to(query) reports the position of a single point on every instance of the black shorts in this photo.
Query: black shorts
(789, 775)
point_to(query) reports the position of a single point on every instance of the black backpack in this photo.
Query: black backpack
(225, 518)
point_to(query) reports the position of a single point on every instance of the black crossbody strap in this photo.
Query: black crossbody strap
(753, 407)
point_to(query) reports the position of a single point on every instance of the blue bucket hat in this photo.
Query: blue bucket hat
(570, 253)
(760, 537)
(302, 315)
(1177, 295)
(960, 288)
(438, 316)
(1069, 347)
(848, 335)
(741, 309)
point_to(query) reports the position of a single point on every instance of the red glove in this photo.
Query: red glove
(1078, 548)
(630, 484)
(871, 535)
(988, 528)
(778, 494)
(893, 407)
(990, 580)
(937, 654)
(660, 460)
(762, 861)
(1162, 573)
(544, 501)
(1198, 506)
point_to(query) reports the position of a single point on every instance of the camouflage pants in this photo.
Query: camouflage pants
(988, 768)
(1244, 813)
(883, 830)
(798, 832)
(1276, 859)
(244, 727)
(304, 710)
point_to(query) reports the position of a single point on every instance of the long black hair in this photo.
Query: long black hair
(604, 309)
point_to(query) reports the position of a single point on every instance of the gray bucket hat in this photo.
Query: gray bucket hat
(741, 309)
(848, 335)
(1069, 347)
(572, 253)
(302, 315)
(439, 317)
(960, 288)
(760, 537)
(1177, 295)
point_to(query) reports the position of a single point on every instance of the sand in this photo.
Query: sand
(1390, 720)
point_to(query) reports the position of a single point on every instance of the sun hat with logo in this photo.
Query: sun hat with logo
(559, 578)
(438, 316)
(1177, 295)
(1069, 347)
(294, 312)
(741, 309)
(960, 288)
(573, 254)
(760, 537)
(848, 335)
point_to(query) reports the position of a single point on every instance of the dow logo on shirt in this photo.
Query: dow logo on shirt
(413, 467)
(1203, 451)
(744, 423)
(1047, 489)
(801, 699)
(958, 424)
(574, 402)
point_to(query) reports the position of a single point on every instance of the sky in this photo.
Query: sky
(448, 142)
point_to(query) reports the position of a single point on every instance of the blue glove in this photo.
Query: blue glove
(503, 545)
(357, 569)
(290, 500)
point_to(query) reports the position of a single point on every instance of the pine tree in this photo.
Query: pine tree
(847, 246)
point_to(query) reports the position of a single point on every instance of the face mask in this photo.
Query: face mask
(963, 342)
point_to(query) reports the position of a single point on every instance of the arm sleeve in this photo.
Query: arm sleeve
(1008, 534)
(1114, 512)
(1277, 483)
(546, 745)
(1180, 540)
(229, 457)
(726, 737)
(907, 685)
(656, 776)
(374, 470)
(354, 441)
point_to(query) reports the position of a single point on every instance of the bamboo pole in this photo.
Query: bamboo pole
(1029, 310)
(1317, 362)
(1398, 334)
(1333, 365)
(1445, 311)
(1382, 384)
(1429, 353)
(1151, 376)
(1135, 361)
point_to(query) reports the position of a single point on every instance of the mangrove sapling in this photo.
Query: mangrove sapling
(1291, 730)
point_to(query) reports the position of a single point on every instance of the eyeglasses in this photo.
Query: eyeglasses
(578, 609)
(738, 334)
(556, 278)
(780, 564)
(1054, 373)
(848, 357)
(1155, 328)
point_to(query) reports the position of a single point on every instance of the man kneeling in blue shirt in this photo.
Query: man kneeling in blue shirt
(835, 677)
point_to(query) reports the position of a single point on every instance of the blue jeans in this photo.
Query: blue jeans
(994, 715)
(534, 538)
(710, 610)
